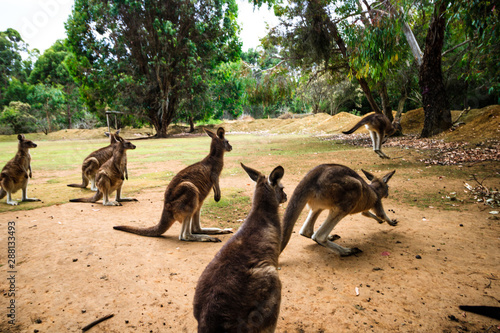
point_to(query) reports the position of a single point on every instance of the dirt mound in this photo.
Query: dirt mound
(480, 125)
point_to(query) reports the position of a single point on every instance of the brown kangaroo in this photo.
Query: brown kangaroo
(15, 173)
(93, 162)
(380, 129)
(186, 192)
(343, 192)
(240, 290)
(110, 176)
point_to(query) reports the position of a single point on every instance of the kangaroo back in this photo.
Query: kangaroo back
(247, 265)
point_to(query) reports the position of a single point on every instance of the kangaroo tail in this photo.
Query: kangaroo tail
(358, 125)
(166, 221)
(96, 197)
(84, 183)
(295, 207)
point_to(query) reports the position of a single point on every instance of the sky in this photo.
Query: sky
(41, 22)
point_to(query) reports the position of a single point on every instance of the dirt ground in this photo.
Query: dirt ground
(73, 268)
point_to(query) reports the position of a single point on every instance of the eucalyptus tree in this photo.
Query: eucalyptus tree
(11, 62)
(142, 54)
(50, 69)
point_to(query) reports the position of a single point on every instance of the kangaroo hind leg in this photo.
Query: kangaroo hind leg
(25, 194)
(197, 229)
(321, 235)
(307, 229)
(119, 196)
(187, 232)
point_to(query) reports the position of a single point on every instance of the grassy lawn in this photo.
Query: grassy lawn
(156, 161)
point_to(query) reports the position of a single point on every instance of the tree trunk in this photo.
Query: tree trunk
(191, 124)
(434, 98)
(68, 113)
(362, 82)
(386, 104)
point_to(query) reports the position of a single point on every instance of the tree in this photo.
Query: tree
(11, 64)
(142, 55)
(51, 69)
(18, 116)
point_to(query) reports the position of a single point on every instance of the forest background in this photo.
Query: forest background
(170, 61)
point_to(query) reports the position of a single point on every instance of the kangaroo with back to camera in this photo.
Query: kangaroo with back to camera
(186, 192)
(110, 176)
(343, 192)
(380, 128)
(17, 171)
(93, 162)
(240, 290)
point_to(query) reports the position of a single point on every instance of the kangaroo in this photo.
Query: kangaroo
(186, 192)
(380, 129)
(15, 173)
(240, 290)
(110, 176)
(343, 192)
(93, 162)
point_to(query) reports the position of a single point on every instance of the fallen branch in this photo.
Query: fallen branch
(95, 322)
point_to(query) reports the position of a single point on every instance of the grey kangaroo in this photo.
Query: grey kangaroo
(110, 176)
(380, 129)
(343, 192)
(93, 162)
(240, 290)
(186, 192)
(17, 171)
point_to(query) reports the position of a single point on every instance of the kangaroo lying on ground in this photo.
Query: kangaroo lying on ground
(110, 176)
(380, 129)
(93, 162)
(343, 192)
(240, 290)
(15, 173)
(186, 192)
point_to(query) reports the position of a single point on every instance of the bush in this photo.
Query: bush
(17, 116)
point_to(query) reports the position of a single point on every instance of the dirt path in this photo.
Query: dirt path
(74, 268)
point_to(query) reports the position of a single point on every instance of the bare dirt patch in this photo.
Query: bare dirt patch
(73, 268)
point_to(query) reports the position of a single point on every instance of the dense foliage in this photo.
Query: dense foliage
(168, 61)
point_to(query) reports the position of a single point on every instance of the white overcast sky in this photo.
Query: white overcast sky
(41, 22)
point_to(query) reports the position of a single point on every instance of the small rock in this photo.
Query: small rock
(75, 260)
(83, 310)
(418, 256)
(461, 225)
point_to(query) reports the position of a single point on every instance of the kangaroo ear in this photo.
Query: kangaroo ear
(118, 131)
(388, 176)
(221, 133)
(20, 137)
(209, 133)
(276, 175)
(107, 134)
(368, 175)
(253, 174)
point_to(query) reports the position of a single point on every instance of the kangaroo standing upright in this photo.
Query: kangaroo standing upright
(380, 127)
(95, 160)
(17, 171)
(343, 192)
(186, 192)
(240, 290)
(110, 176)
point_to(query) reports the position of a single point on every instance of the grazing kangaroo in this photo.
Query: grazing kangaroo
(240, 290)
(15, 173)
(110, 176)
(93, 162)
(186, 192)
(343, 192)
(380, 129)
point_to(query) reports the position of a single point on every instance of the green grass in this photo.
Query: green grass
(57, 163)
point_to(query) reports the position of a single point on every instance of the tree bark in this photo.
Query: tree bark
(436, 106)
(386, 104)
